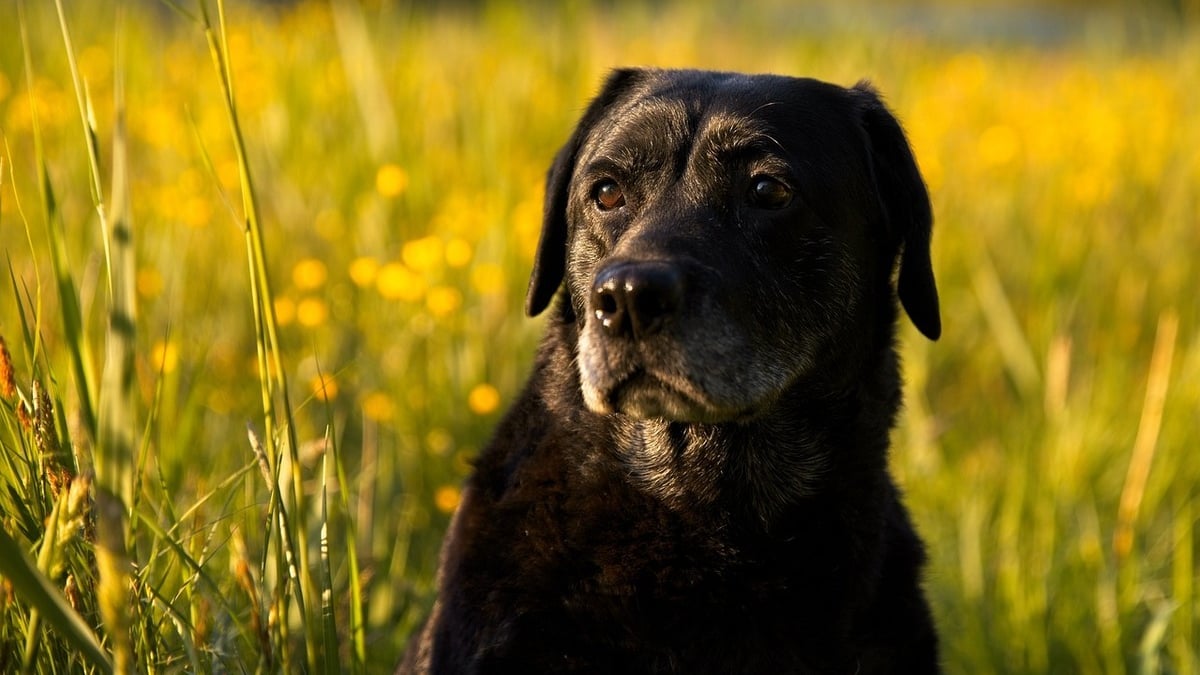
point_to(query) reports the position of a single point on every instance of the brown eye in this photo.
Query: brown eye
(768, 193)
(609, 196)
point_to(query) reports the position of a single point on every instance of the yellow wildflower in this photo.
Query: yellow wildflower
(309, 274)
(446, 498)
(483, 399)
(443, 300)
(312, 312)
(397, 282)
(458, 252)
(422, 254)
(378, 406)
(165, 356)
(391, 180)
(285, 311)
(363, 271)
(324, 387)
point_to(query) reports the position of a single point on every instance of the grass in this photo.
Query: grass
(265, 272)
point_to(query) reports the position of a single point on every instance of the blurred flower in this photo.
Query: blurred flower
(363, 271)
(285, 311)
(458, 252)
(446, 498)
(165, 356)
(397, 282)
(391, 180)
(324, 387)
(309, 274)
(443, 300)
(312, 312)
(422, 254)
(483, 399)
(378, 406)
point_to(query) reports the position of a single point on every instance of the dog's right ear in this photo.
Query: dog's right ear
(550, 263)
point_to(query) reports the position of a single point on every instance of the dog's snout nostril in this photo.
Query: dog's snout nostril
(607, 307)
(636, 299)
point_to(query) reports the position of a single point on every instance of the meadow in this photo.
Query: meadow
(264, 273)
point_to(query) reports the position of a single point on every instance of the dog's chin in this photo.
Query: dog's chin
(645, 397)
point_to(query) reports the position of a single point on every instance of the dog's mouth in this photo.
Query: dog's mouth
(648, 394)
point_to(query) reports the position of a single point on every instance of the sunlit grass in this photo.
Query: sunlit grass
(344, 280)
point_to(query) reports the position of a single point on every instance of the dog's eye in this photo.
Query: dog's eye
(768, 193)
(609, 196)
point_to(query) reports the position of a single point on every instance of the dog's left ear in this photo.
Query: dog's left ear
(550, 263)
(905, 204)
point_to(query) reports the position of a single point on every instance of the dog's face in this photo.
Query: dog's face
(720, 235)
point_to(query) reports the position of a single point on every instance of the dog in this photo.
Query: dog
(694, 479)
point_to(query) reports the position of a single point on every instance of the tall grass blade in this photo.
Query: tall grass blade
(280, 429)
(40, 593)
(117, 397)
(358, 632)
(1006, 329)
(329, 637)
(1146, 442)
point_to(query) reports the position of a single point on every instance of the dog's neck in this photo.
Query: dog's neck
(758, 470)
(755, 471)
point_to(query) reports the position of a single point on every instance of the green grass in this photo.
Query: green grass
(265, 274)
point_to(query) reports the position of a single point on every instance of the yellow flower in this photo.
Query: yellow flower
(309, 274)
(397, 282)
(483, 399)
(391, 180)
(458, 252)
(378, 406)
(165, 356)
(422, 254)
(363, 271)
(312, 312)
(446, 498)
(285, 311)
(443, 300)
(324, 387)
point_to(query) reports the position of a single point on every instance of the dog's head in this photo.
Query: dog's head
(720, 236)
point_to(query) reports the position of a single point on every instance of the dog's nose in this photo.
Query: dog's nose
(635, 299)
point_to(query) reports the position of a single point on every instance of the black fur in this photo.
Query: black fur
(695, 477)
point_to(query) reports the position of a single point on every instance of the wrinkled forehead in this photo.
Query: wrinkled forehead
(725, 117)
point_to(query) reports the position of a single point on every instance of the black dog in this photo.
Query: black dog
(695, 478)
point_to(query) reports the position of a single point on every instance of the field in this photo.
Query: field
(264, 272)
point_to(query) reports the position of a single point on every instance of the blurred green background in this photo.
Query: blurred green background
(1048, 446)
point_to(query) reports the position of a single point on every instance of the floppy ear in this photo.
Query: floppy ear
(549, 264)
(905, 204)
